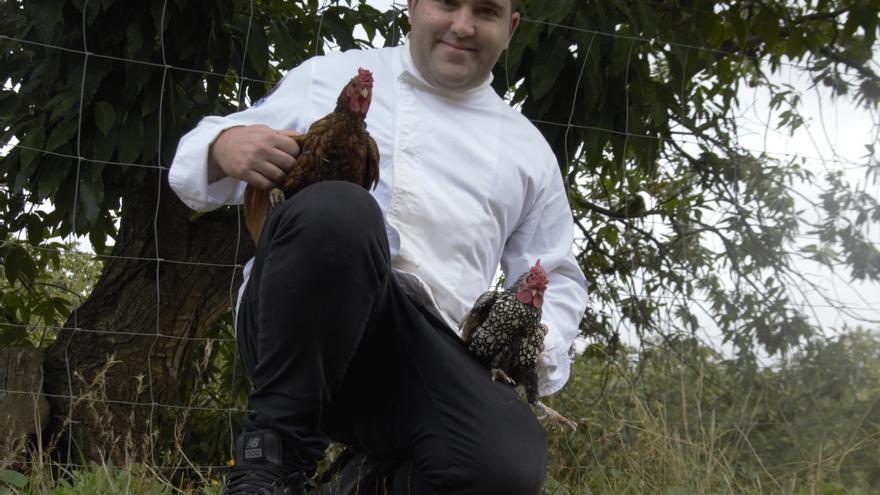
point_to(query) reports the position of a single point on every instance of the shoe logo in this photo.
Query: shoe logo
(252, 449)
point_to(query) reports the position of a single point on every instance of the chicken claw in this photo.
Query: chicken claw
(276, 197)
(554, 416)
(499, 373)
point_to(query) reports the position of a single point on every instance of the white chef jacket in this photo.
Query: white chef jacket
(466, 183)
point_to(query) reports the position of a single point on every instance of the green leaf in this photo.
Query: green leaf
(285, 47)
(52, 174)
(61, 104)
(104, 147)
(33, 139)
(105, 117)
(48, 19)
(18, 265)
(98, 239)
(62, 134)
(767, 25)
(131, 138)
(11, 335)
(135, 40)
(13, 478)
(548, 67)
(61, 305)
(258, 50)
(610, 234)
(553, 11)
(8, 101)
(35, 230)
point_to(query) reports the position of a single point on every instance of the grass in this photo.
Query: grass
(96, 479)
(668, 428)
(658, 426)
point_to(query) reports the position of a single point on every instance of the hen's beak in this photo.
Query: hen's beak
(364, 92)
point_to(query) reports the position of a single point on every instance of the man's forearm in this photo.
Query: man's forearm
(215, 173)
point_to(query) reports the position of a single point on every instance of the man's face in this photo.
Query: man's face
(455, 43)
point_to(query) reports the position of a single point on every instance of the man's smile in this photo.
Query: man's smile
(456, 46)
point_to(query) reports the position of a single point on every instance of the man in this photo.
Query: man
(346, 322)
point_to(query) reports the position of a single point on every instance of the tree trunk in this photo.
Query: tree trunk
(24, 411)
(121, 356)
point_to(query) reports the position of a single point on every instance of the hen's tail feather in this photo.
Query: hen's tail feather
(256, 209)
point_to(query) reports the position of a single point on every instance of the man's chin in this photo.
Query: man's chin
(454, 79)
(456, 84)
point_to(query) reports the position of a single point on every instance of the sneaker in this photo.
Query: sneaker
(352, 473)
(258, 469)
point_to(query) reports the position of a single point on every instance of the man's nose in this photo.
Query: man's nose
(463, 23)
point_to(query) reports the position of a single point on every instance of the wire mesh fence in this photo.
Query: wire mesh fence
(209, 389)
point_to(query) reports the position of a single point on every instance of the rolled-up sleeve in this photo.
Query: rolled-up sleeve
(547, 233)
(280, 109)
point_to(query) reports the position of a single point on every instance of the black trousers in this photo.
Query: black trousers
(335, 349)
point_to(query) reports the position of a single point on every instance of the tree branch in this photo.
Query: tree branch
(838, 57)
(583, 203)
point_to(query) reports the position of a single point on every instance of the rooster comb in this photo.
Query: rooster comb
(531, 292)
(537, 274)
(365, 76)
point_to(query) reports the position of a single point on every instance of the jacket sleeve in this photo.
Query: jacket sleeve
(282, 108)
(547, 233)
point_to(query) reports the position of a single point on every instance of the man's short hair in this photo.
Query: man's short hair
(514, 5)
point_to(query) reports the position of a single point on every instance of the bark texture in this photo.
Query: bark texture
(120, 361)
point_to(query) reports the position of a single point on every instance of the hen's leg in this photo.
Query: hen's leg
(276, 197)
(498, 373)
(554, 416)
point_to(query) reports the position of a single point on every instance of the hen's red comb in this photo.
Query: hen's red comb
(537, 274)
(365, 76)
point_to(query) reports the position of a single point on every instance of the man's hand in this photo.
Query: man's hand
(256, 154)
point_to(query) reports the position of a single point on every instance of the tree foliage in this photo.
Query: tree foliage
(637, 98)
(39, 288)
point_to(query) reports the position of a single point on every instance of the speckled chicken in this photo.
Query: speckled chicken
(503, 331)
(336, 147)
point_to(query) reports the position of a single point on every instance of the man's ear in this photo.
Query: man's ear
(514, 23)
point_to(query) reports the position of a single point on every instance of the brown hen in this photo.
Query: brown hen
(336, 147)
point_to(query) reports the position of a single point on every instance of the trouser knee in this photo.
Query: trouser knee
(515, 464)
(519, 472)
(335, 222)
(329, 210)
